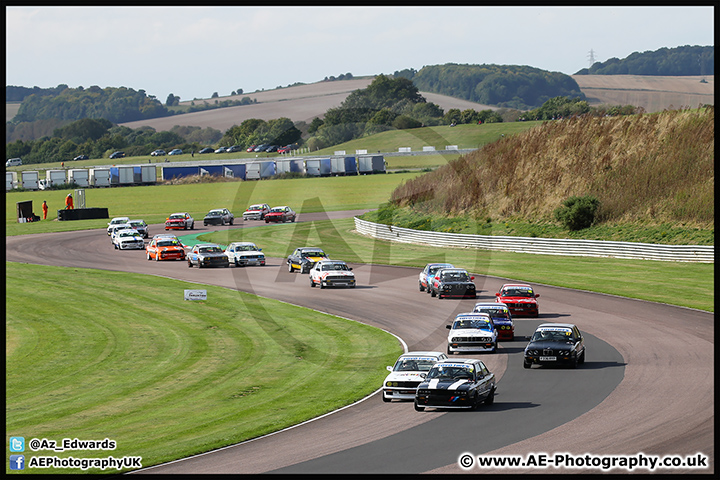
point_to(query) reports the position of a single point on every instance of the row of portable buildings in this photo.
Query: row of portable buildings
(148, 174)
(312, 167)
(82, 177)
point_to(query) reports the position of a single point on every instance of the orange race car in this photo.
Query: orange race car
(165, 247)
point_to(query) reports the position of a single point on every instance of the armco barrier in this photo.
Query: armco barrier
(542, 246)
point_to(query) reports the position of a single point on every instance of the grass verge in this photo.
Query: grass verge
(643, 232)
(167, 378)
(154, 203)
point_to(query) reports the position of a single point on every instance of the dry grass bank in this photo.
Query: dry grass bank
(653, 168)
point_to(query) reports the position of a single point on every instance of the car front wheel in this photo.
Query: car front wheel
(418, 407)
(290, 268)
(476, 402)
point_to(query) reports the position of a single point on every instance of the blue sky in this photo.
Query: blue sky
(193, 52)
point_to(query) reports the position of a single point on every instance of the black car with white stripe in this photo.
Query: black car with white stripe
(459, 383)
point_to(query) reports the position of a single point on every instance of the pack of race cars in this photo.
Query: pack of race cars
(433, 379)
(429, 379)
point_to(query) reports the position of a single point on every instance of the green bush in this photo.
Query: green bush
(577, 213)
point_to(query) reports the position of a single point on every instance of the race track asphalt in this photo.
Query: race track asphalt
(647, 385)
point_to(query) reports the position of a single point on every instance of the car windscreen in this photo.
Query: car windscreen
(455, 277)
(414, 364)
(494, 312)
(553, 335)
(433, 270)
(518, 292)
(476, 324)
(334, 266)
(444, 372)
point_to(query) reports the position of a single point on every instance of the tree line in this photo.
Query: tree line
(98, 138)
(680, 61)
(511, 86)
(43, 110)
(388, 103)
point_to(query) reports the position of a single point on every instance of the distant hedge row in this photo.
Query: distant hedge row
(679, 61)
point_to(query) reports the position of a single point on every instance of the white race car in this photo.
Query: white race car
(116, 221)
(241, 254)
(472, 332)
(128, 239)
(114, 229)
(407, 373)
(332, 273)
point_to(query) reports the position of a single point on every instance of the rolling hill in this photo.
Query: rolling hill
(305, 102)
(298, 103)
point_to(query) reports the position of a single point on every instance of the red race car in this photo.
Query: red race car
(280, 215)
(180, 221)
(520, 298)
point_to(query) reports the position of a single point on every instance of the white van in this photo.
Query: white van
(13, 162)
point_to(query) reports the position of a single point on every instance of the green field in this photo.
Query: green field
(463, 136)
(154, 203)
(167, 378)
